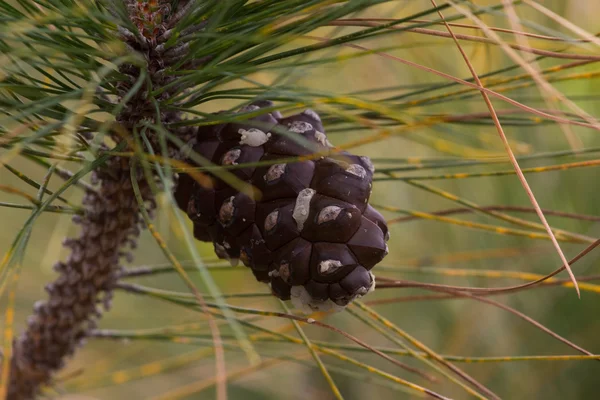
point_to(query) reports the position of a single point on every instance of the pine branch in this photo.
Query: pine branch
(85, 281)
(111, 221)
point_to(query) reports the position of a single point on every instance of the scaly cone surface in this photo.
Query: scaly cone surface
(311, 233)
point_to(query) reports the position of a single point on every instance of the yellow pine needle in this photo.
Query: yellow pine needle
(560, 233)
(334, 389)
(146, 370)
(396, 330)
(493, 274)
(465, 175)
(564, 22)
(463, 256)
(408, 351)
(196, 387)
(495, 81)
(8, 334)
(274, 336)
(473, 225)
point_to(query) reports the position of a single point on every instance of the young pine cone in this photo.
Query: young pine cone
(310, 233)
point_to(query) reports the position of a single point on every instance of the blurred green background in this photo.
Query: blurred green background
(419, 250)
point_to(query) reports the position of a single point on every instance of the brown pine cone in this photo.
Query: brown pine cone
(311, 233)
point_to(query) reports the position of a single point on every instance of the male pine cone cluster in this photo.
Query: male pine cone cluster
(310, 232)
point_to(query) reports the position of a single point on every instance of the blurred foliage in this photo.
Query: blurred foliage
(381, 99)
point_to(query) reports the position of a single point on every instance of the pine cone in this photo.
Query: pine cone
(311, 233)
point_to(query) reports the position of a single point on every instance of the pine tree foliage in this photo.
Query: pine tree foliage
(154, 107)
